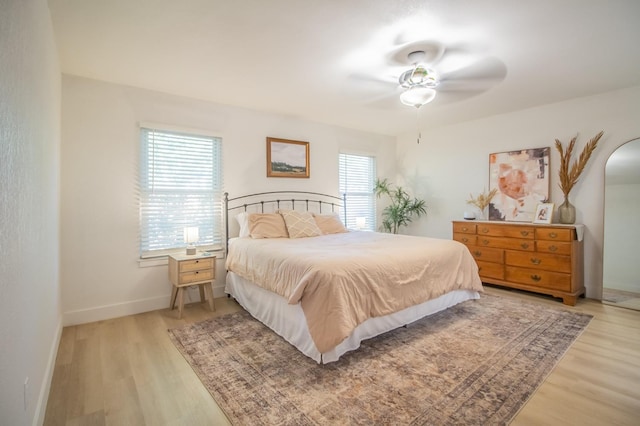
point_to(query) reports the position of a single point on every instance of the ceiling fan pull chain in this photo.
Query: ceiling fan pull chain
(418, 124)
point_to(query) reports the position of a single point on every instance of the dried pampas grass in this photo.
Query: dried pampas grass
(483, 199)
(569, 175)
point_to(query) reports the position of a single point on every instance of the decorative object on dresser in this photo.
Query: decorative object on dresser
(402, 208)
(569, 175)
(481, 201)
(522, 180)
(544, 259)
(544, 213)
(287, 158)
(186, 271)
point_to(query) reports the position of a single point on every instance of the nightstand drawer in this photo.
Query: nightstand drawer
(195, 265)
(195, 276)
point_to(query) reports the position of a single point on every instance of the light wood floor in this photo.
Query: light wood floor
(125, 371)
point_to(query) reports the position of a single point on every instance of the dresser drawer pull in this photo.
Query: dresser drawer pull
(485, 242)
(553, 248)
(465, 239)
(524, 233)
(477, 253)
(536, 278)
(465, 229)
(524, 245)
(535, 261)
(553, 235)
(485, 230)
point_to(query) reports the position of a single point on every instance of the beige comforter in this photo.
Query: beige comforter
(341, 280)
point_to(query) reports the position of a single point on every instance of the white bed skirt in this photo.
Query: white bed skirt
(289, 321)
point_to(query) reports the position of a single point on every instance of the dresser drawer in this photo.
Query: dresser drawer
(554, 247)
(464, 228)
(513, 231)
(544, 261)
(196, 265)
(554, 234)
(490, 270)
(195, 276)
(538, 278)
(465, 238)
(487, 254)
(506, 243)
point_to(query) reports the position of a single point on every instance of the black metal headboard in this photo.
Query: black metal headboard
(274, 199)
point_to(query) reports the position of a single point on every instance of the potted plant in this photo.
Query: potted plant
(402, 208)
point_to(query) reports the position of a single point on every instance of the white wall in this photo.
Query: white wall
(100, 274)
(30, 317)
(452, 161)
(622, 237)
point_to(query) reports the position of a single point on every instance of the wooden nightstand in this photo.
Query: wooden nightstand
(187, 270)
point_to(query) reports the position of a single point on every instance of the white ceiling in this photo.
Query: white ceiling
(305, 58)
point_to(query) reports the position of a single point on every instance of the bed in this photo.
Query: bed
(293, 266)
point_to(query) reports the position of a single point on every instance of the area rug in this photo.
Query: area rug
(475, 363)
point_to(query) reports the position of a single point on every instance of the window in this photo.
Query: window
(357, 180)
(180, 186)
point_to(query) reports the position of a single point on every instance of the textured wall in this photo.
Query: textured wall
(30, 316)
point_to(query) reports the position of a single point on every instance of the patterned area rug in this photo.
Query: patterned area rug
(475, 363)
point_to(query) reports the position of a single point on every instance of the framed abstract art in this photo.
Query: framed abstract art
(523, 182)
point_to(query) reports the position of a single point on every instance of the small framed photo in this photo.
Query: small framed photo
(543, 213)
(287, 158)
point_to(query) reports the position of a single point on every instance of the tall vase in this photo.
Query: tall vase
(567, 212)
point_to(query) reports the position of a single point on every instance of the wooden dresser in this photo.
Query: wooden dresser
(535, 257)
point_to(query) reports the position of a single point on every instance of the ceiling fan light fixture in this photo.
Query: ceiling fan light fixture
(417, 96)
(419, 75)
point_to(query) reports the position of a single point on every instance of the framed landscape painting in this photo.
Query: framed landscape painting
(522, 180)
(287, 158)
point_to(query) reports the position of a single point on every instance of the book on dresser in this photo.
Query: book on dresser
(543, 258)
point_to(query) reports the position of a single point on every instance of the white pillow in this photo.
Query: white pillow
(300, 224)
(243, 221)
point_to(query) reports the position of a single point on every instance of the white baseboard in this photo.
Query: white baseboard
(100, 313)
(43, 395)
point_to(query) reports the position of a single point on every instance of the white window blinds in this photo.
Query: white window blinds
(180, 186)
(357, 181)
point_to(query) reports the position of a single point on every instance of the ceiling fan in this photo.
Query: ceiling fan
(423, 71)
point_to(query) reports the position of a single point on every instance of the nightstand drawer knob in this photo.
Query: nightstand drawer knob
(553, 248)
(553, 235)
(477, 253)
(524, 233)
(524, 245)
(535, 261)
(536, 278)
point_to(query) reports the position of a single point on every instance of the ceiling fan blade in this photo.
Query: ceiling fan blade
(470, 81)
(479, 76)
